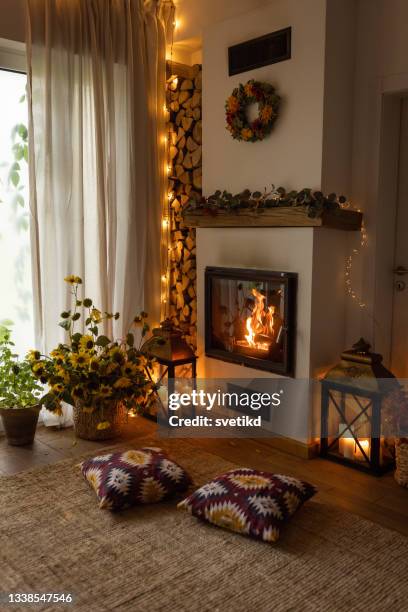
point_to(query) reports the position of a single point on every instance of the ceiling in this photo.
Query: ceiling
(193, 16)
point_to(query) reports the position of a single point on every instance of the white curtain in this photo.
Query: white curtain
(96, 74)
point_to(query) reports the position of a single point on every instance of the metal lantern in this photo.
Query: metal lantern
(175, 357)
(353, 393)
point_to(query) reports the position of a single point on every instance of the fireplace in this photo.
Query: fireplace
(250, 318)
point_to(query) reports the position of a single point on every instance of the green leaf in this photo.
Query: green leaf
(65, 314)
(14, 177)
(130, 339)
(65, 324)
(22, 131)
(76, 316)
(87, 302)
(19, 200)
(18, 151)
(102, 341)
(6, 322)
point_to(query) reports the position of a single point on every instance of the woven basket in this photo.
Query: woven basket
(86, 423)
(401, 458)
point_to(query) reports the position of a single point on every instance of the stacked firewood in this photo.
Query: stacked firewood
(185, 131)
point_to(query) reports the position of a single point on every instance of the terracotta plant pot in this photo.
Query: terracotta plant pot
(86, 423)
(20, 424)
(401, 459)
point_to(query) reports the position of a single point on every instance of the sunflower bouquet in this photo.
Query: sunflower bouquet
(90, 371)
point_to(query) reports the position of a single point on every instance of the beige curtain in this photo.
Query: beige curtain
(97, 181)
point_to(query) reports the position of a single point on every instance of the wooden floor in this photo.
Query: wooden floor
(378, 499)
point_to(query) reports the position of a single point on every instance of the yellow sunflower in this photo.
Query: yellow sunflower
(73, 280)
(80, 360)
(130, 369)
(105, 391)
(33, 355)
(86, 343)
(94, 364)
(58, 356)
(117, 355)
(57, 388)
(63, 374)
(38, 369)
(96, 315)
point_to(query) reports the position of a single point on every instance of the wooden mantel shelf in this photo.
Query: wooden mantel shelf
(284, 216)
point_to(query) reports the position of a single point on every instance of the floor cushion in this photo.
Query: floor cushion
(253, 503)
(134, 476)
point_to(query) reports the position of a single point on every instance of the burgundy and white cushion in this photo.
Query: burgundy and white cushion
(250, 502)
(135, 476)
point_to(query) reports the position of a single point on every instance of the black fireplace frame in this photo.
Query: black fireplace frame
(289, 280)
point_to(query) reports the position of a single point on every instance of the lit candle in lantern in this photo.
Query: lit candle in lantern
(365, 446)
(346, 444)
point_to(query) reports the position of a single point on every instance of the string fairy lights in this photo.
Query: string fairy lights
(349, 266)
(166, 208)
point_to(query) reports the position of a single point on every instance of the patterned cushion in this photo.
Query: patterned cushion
(253, 503)
(135, 476)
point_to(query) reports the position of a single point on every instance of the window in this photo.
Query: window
(16, 302)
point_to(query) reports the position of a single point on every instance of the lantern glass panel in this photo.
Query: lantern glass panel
(350, 425)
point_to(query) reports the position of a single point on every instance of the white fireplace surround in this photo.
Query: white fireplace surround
(317, 255)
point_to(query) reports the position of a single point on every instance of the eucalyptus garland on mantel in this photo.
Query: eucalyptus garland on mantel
(315, 202)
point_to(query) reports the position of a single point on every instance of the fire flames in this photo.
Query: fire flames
(259, 324)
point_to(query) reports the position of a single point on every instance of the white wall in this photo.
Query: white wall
(341, 22)
(292, 155)
(381, 66)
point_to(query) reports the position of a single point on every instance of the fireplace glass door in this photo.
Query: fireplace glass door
(250, 317)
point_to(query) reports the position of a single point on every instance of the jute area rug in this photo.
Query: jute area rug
(53, 538)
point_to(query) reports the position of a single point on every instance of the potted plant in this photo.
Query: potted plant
(19, 394)
(102, 379)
